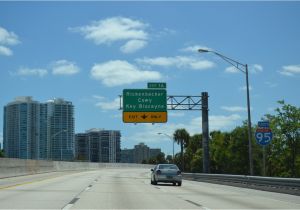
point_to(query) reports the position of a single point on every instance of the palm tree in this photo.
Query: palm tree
(181, 136)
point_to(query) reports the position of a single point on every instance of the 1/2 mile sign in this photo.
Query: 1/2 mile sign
(144, 105)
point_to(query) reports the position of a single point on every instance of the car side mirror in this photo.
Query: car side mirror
(152, 169)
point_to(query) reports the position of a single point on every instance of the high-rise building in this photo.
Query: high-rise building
(154, 152)
(98, 145)
(60, 129)
(141, 152)
(34, 130)
(127, 155)
(21, 128)
(111, 145)
(82, 147)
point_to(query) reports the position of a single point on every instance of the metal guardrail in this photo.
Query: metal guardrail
(273, 184)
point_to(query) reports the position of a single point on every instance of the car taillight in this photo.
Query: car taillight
(158, 172)
(178, 172)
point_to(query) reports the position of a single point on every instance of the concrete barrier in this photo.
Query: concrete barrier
(10, 167)
(17, 167)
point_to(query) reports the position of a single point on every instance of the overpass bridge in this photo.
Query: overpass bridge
(120, 186)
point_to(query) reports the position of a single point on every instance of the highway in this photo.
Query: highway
(125, 188)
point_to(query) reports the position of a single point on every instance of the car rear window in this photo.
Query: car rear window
(168, 167)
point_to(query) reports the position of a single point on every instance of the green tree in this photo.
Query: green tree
(239, 152)
(195, 143)
(230, 153)
(219, 152)
(169, 159)
(197, 162)
(160, 158)
(1, 153)
(177, 159)
(181, 136)
(284, 150)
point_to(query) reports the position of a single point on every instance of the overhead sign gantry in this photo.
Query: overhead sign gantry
(151, 105)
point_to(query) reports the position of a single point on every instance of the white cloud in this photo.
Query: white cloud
(194, 48)
(64, 67)
(290, 70)
(133, 46)
(201, 64)
(110, 105)
(176, 114)
(232, 69)
(165, 32)
(98, 97)
(256, 68)
(181, 62)
(5, 51)
(234, 108)
(117, 116)
(115, 29)
(8, 38)
(61, 67)
(271, 85)
(118, 72)
(218, 122)
(30, 72)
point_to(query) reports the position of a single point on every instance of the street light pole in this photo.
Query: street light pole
(171, 139)
(238, 66)
(249, 123)
(60, 141)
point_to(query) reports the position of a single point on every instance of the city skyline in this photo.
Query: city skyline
(43, 131)
(89, 52)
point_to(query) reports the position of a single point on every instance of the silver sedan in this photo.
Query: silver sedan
(168, 173)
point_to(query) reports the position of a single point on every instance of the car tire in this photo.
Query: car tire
(174, 183)
(179, 183)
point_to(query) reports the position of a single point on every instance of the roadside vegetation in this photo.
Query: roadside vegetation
(1, 153)
(229, 150)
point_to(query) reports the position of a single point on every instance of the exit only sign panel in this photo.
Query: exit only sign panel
(145, 117)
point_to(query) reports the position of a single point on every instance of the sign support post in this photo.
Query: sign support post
(205, 133)
(264, 160)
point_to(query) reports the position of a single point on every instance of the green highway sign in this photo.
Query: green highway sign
(144, 100)
(157, 85)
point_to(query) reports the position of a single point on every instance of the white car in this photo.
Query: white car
(168, 173)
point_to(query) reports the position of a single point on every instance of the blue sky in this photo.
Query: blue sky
(88, 52)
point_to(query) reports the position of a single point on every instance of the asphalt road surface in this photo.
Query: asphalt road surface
(129, 189)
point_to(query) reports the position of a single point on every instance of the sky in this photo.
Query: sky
(88, 52)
